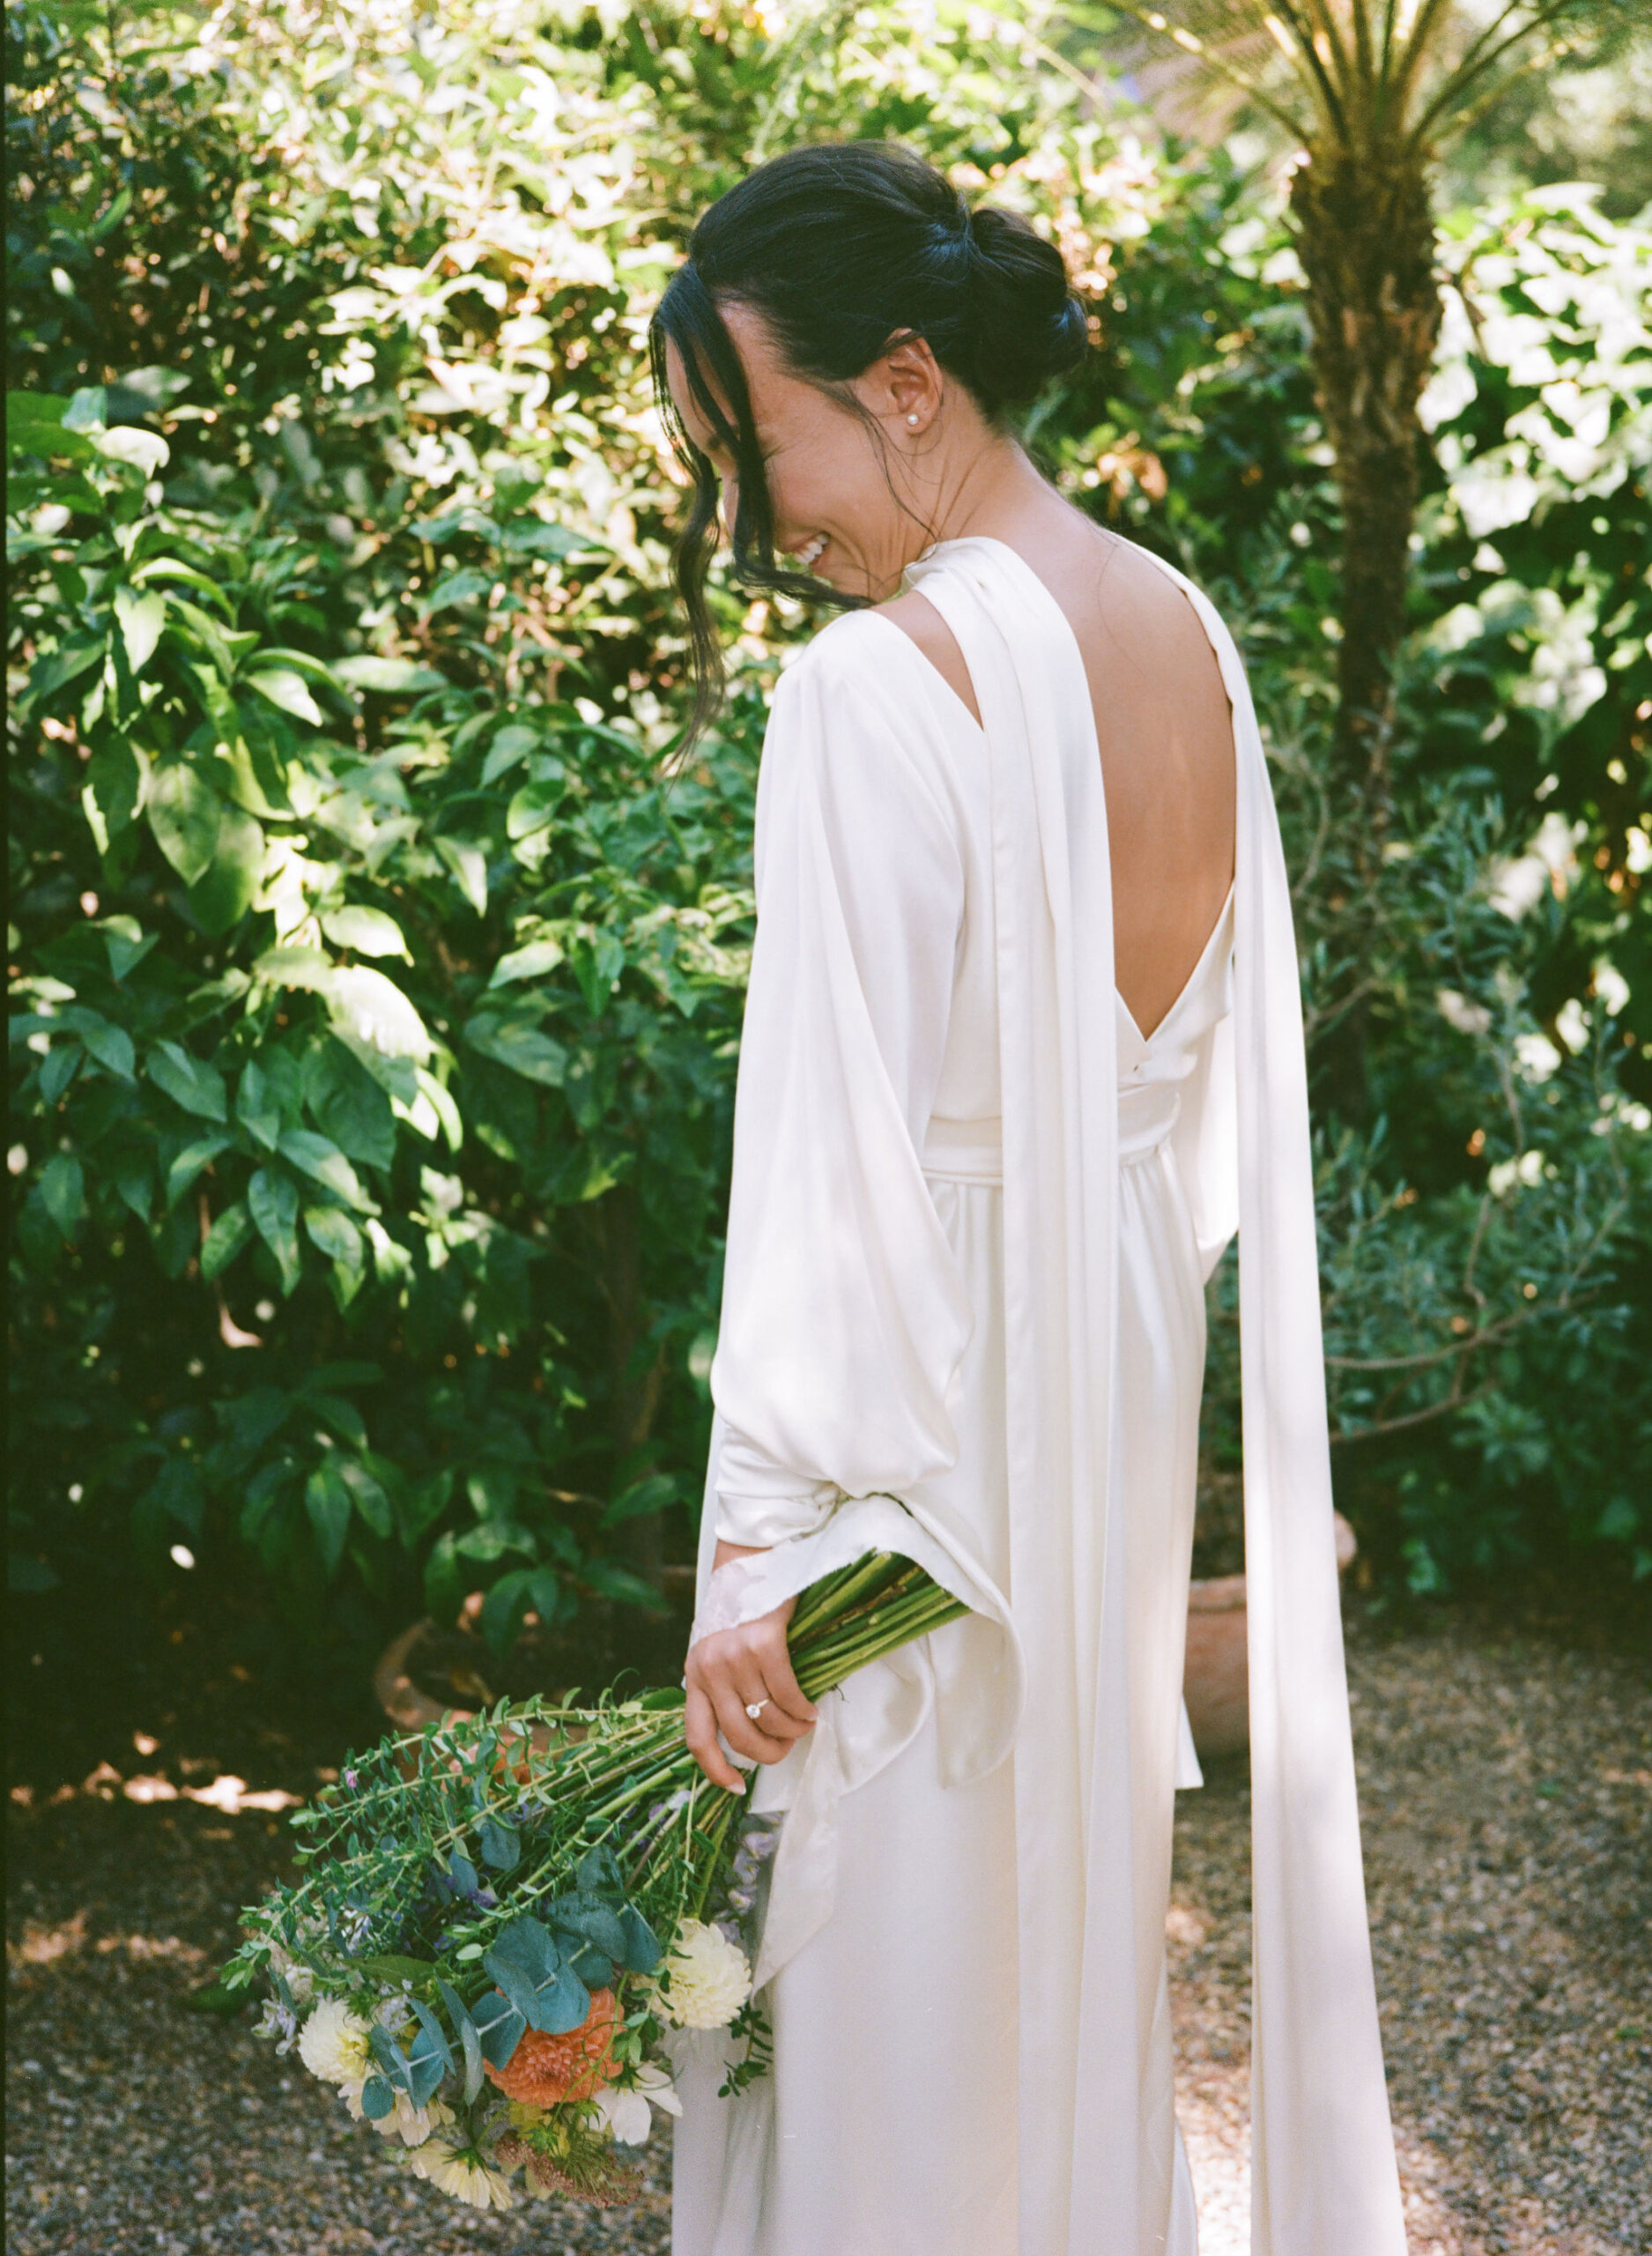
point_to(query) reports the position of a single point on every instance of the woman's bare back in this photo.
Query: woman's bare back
(1164, 732)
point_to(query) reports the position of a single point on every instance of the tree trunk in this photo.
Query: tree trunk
(1366, 236)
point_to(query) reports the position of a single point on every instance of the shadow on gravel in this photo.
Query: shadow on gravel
(1506, 1777)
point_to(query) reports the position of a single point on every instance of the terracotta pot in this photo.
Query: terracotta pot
(1215, 1679)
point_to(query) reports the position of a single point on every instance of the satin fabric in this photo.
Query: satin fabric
(972, 1208)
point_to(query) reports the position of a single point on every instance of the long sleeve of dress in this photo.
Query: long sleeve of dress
(843, 1315)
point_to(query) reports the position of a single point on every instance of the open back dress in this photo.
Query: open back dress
(974, 1209)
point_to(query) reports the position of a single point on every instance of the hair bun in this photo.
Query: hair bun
(1028, 326)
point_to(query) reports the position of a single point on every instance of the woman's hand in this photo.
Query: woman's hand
(732, 1670)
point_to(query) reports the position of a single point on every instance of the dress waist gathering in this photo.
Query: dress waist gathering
(971, 1150)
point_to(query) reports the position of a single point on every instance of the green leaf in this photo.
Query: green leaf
(612, 1581)
(337, 1237)
(431, 2057)
(144, 451)
(333, 1233)
(368, 1491)
(58, 1068)
(272, 1200)
(389, 677)
(387, 2054)
(499, 2027)
(458, 587)
(34, 425)
(532, 808)
(364, 1003)
(527, 1051)
(468, 865)
(508, 746)
(423, 1501)
(499, 1845)
(109, 798)
(531, 962)
(321, 1159)
(596, 964)
(184, 813)
(169, 567)
(256, 1106)
(369, 931)
(222, 897)
(329, 1503)
(443, 1590)
(503, 1608)
(297, 967)
(460, 2016)
(641, 1953)
(188, 1080)
(191, 1162)
(110, 1045)
(444, 1108)
(378, 2099)
(228, 1234)
(140, 619)
(64, 1190)
(652, 1495)
(285, 689)
(126, 941)
(348, 1104)
(49, 674)
(533, 536)
(342, 1416)
(217, 1998)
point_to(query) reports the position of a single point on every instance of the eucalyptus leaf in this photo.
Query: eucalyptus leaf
(499, 2027)
(378, 2098)
(459, 2013)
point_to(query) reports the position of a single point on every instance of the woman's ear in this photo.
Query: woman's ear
(905, 386)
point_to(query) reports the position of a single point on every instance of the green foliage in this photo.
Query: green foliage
(377, 979)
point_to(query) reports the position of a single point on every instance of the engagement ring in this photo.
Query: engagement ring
(754, 1708)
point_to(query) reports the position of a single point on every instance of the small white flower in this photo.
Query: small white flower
(277, 2021)
(625, 2114)
(710, 1977)
(624, 2110)
(461, 2171)
(334, 2043)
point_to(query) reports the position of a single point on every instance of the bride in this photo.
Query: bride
(1023, 1049)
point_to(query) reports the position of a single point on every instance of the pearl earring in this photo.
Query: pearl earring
(913, 421)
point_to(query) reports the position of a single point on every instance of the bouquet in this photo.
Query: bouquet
(498, 1921)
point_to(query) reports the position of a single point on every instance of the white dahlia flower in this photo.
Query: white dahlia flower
(464, 2172)
(710, 1979)
(333, 2044)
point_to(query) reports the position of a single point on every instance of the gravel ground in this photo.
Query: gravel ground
(1506, 1784)
(1508, 1789)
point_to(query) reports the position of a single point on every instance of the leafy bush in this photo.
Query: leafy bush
(379, 979)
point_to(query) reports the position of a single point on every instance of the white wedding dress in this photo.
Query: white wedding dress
(974, 1207)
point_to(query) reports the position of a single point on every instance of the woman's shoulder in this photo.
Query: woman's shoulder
(868, 666)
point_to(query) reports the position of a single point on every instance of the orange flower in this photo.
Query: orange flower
(544, 2069)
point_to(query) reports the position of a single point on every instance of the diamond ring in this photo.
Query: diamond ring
(754, 1708)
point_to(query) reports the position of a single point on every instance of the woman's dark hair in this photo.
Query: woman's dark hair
(843, 249)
